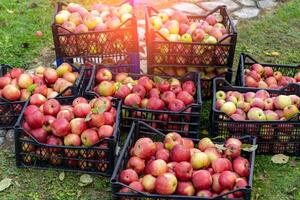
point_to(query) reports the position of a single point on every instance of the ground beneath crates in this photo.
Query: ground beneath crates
(238, 9)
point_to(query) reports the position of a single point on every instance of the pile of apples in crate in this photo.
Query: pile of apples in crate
(81, 123)
(264, 77)
(43, 83)
(154, 94)
(176, 26)
(77, 19)
(177, 166)
(257, 106)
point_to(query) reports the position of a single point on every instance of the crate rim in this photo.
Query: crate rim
(18, 126)
(114, 177)
(242, 63)
(235, 88)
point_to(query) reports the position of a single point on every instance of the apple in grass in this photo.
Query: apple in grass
(11, 92)
(60, 127)
(166, 184)
(202, 180)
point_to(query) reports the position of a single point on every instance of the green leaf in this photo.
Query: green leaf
(88, 117)
(5, 183)
(61, 176)
(158, 79)
(220, 147)
(280, 159)
(248, 147)
(31, 88)
(86, 179)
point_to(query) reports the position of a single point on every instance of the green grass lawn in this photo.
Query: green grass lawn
(278, 31)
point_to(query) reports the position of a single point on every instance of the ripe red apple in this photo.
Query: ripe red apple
(144, 148)
(221, 164)
(30, 109)
(190, 87)
(183, 171)
(241, 166)
(148, 182)
(240, 184)
(25, 94)
(122, 92)
(198, 35)
(185, 97)
(202, 180)
(166, 184)
(4, 81)
(211, 19)
(227, 179)
(50, 75)
(188, 143)
(146, 82)
(168, 96)
(204, 193)
(216, 187)
(140, 90)
(136, 164)
(39, 134)
(24, 81)
(60, 127)
(82, 110)
(109, 118)
(66, 114)
(101, 103)
(16, 72)
(89, 137)
(105, 131)
(103, 74)
(35, 119)
(158, 167)
(180, 153)
(11, 92)
(37, 99)
(136, 185)
(251, 82)
(78, 125)
(212, 153)
(133, 100)
(72, 140)
(96, 120)
(79, 100)
(106, 88)
(155, 104)
(162, 154)
(185, 188)
(176, 105)
(51, 107)
(154, 92)
(128, 176)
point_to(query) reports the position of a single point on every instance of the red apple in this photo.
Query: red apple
(180, 153)
(122, 92)
(216, 187)
(128, 176)
(158, 167)
(140, 90)
(109, 118)
(183, 171)
(60, 127)
(66, 114)
(72, 140)
(148, 182)
(172, 139)
(24, 81)
(11, 92)
(50, 75)
(185, 188)
(227, 179)
(162, 154)
(168, 96)
(105, 131)
(103, 74)
(39, 134)
(205, 143)
(240, 184)
(241, 166)
(136, 164)
(221, 164)
(146, 82)
(89, 137)
(35, 119)
(30, 109)
(96, 120)
(144, 148)
(133, 100)
(185, 97)
(4, 81)
(154, 92)
(51, 107)
(16, 72)
(176, 105)
(155, 104)
(78, 125)
(79, 100)
(82, 110)
(37, 99)
(166, 184)
(202, 180)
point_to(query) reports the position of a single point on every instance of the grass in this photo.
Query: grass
(274, 31)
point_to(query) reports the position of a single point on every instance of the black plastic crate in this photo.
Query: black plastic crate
(136, 133)
(162, 54)
(272, 136)
(98, 159)
(185, 122)
(246, 61)
(123, 40)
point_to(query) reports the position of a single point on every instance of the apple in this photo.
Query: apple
(258, 103)
(154, 92)
(4, 81)
(241, 166)
(295, 100)
(50, 75)
(282, 101)
(198, 35)
(122, 92)
(11, 92)
(35, 119)
(256, 114)
(96, 120)
(162, 154)
(39, 134)
(51, 107)
(72, 140)
(211, 19)
(221, 164)
(30, 109)
(172, 139)
(133, 100)
(25, 94)
(78, 125)
(155, 104)
(146, 82)
(269, 104)
(271, 115)
(212, 153)
(158, 167)
(176, 105)
(105, 131)
(188, 143)
(240, 184)
(180, 153)
(220, 95)
(16, 72)
(136, 164)
(220, 102)
(24, 81)
(60, 127)
(82, 110)
(216, 187)
(139, 89)
(183, 171)
(144, 148)
(168, 96)
(251, 82)
(202, 180)
(166, 184)
(205, 143)
(128, 176)
(148, 182)
(228, 108)
(103, 74)
(227, 179)
(277, 75)
(89, 137)
(106, 88)
(185, 188)
(290, 111)
(199, 160)
(185, 97)
(66, 114)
